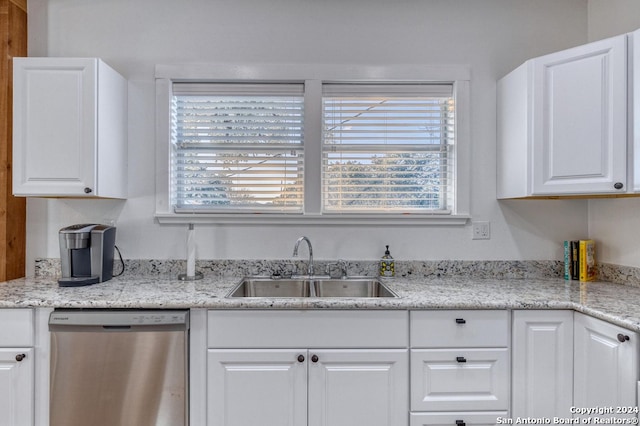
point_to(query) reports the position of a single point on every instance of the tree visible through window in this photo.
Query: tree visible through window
(387, 148)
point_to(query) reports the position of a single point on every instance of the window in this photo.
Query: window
(312, 144)
(388, 148)
(237, 147)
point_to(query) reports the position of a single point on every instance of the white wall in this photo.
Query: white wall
(492, 36)
(615, 224)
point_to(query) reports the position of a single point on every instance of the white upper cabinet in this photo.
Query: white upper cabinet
(562, 123)
(634, 120)
(69, 128)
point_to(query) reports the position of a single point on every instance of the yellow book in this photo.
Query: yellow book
(587, 262)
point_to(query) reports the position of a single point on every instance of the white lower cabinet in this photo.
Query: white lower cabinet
(250, 387)
(358, 376)
(605, 366)
(460, 367)
(16, 386)
(542, 354)
(461, 379)
(367, 387)
(300, 387)
(17, 366)
(458, 419)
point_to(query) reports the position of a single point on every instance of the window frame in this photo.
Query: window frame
(313, 77)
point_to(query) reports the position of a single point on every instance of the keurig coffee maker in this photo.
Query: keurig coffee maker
(86, 254)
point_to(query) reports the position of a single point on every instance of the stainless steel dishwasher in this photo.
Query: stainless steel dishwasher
(119, 368)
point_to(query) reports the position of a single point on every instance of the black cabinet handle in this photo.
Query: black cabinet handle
(618, 185)
(88, 190)
(20, 357)
(460, 423)
(314, 358)
(300, 358)
(460, 321)
(461, 359)
(622, 338)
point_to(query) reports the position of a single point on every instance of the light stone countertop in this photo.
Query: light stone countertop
(616, 303)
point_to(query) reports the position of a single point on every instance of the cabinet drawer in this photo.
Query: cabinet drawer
(449, 419)
(459, 379)
(307, 329)
(16, 328)
(459, 329)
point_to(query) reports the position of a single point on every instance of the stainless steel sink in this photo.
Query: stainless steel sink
(266, 287)
(353, 287)
(357, 287)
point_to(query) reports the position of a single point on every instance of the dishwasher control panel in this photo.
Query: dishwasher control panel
(106, 317)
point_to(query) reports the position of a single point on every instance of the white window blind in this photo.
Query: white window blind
(388, 148)
(237, 147)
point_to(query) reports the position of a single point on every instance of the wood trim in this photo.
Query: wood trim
(13, 35)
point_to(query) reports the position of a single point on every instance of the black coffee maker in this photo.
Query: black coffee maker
(86, 254)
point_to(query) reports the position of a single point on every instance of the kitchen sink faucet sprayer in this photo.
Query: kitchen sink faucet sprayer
(295, 253)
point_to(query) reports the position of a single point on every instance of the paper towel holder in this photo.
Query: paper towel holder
(190, 258)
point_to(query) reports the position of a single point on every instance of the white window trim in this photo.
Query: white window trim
(313, 76)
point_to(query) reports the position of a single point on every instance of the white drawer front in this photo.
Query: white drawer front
(450, 419)
(307, 329)
(459, 379)
(16, 328)
(459, 329)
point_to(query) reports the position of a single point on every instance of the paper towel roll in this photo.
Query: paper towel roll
(191, 252)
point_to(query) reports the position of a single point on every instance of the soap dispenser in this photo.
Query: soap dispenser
(387, 265)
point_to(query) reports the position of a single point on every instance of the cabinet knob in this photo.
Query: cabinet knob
(88, 190)
(618, 185)
(300, 358)
(20, 357)
(460, 321)
(314, 358)
(461, 359)
(460, 423)
(622, 338)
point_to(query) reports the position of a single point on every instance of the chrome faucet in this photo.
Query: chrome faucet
(295, 253)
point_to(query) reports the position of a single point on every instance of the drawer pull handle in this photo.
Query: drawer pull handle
(20, 357)
(622, 338)
(460, 321)
(460, 423)
(461, 359)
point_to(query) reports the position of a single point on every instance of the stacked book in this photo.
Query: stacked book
(580, 260)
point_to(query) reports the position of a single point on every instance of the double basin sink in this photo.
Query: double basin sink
(352, 287)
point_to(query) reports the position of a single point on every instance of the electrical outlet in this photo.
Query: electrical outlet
(481, 231)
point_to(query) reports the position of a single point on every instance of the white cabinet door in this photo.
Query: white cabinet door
(16, 387)
(70, 128)
(579, 119)
(257, 387)
(460, 419)
(542, 372)
(351, 387)
(459, 379)
(605, 365)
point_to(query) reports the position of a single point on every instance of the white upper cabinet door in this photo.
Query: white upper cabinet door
(562, 124)
(16, 387)
(69, 136)
(605, 366)
(634, 115)
(358, 387)
(580, 119)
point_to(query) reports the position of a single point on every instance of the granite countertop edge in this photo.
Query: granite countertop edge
(616, 303)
